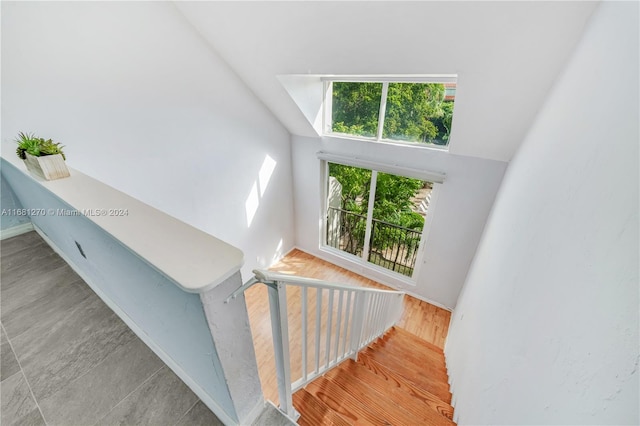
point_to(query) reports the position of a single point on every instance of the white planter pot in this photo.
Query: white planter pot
(48, 167)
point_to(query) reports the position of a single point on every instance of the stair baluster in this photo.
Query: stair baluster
(359, 318)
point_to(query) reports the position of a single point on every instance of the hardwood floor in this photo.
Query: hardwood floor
(422, 319)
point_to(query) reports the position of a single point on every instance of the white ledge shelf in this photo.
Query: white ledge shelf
(193, 259)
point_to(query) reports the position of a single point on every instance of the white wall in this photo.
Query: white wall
(459, 214)
(143, 104)
(506, 54)
(546, 329)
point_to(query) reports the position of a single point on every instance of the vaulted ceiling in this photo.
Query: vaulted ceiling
(506, 54)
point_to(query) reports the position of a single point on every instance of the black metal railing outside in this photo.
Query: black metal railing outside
(391, 246)
(346, 230)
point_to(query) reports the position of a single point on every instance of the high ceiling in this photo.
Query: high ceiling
(506, 54)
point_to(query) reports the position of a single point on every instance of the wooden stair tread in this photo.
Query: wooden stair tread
(415, 359)
(398, 380)
(436, 385)
(411, 353)
(418, 403)
(400, 333)
(378, 404)
(315, 412)
(342, 402)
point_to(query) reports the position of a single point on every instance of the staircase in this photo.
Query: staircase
(320, 329)
(398, 380)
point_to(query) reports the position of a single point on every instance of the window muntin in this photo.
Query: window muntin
(409, 112)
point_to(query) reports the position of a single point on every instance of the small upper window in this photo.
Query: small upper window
(412, 112)
(356, 108)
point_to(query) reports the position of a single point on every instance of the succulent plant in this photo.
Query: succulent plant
(38, 147)
(50, 147)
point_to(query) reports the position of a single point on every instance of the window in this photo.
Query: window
(376, 217)
(409, 112)
(355, 108)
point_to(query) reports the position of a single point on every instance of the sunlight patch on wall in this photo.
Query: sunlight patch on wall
(252, 203)
(268, 166)
(278, 252)
(259, 187)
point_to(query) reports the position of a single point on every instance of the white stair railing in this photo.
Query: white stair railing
(334, 323)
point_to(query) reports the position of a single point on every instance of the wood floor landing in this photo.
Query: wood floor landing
(399, 380)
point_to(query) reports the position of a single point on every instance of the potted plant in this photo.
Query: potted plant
(42, 157)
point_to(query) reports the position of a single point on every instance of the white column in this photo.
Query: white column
(229, 325)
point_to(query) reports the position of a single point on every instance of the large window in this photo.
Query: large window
(410, 112)
(377, 217)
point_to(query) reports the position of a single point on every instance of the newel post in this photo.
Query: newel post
(280, 332)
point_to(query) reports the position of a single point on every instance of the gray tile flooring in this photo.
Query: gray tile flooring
(67, 359)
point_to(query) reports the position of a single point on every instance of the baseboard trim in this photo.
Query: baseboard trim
(166, 358)
(289, 252)
(429, 301)
(16, 230)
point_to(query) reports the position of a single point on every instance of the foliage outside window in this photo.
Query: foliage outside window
(394, 225)
(411, 112)
(355, 108)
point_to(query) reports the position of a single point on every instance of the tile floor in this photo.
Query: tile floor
(67, 359)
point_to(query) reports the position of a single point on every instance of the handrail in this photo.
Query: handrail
(404, 228)
(244, 287)
(269, 277)
(348, 211)
(361, 315)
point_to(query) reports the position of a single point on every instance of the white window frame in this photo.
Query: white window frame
(436, 178)
(327, 104)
